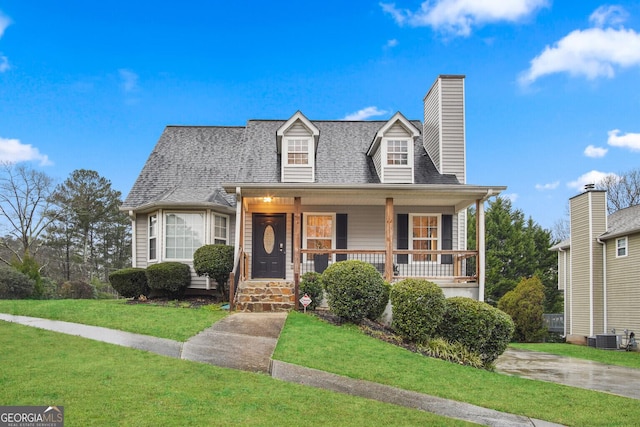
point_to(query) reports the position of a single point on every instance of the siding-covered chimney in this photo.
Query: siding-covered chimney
(444, 126)
(588, 216)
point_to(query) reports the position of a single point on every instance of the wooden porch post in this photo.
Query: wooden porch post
(388, 239)
(480, 267)
(296, 249)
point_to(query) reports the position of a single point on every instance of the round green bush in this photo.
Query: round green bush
(14, 284)
(525, 305)
(311, 284)
(77, 289)
(130, 282)
(354, 288)
(417, 306)
(378, 310)
(480, 327)
(169, 278)
(215, 262)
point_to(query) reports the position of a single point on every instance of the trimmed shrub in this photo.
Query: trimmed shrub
(14, 284)
(311, 284)
(378, 310)
(481, 328)
(130, 282)
(169, 278)
(525, 305)
(418, 307)
(77, 289)
(354, 288)
(215, 262)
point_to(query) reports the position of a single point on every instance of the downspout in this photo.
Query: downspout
(604, 282)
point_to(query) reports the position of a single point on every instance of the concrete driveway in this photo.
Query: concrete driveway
(571, 372)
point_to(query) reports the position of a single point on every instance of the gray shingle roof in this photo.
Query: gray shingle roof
(189, 163)
(624, 221)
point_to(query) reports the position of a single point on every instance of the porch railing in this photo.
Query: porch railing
(237, 274)
(449, 265)
(554, 322)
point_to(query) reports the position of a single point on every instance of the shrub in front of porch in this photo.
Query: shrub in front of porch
(311, 284)
(169, 278)
(480, 327)
(355, 289)
(130, 282)
(418, 307)
(215, 262)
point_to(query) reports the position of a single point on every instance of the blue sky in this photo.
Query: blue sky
(552, 88)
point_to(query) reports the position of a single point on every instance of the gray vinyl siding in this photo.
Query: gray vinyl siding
(599, 218)
(398, 175)
(377, 161)
(580, 266)
(623, 287)
(431, 125)
(141, 241)
(453, 128)
(297, 174)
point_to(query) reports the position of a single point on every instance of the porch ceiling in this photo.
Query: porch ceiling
(459, 196)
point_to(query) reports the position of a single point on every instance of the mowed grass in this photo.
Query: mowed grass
(344, 350)
(101, 384)
(174, 323)
(629, 359)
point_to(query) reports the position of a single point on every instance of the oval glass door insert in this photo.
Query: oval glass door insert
(269, 239)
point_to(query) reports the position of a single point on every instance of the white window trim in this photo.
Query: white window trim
(306, 216)
(439, 238)
(310, 153)
(626, 246)
(212, 234)
(156, 237)
(385, 152)
(164, 232)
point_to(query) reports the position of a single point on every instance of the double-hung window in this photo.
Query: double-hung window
(220, 229)
(153, 237)
(621, 247)
(397, 152)
(319, 231)
(184, 233)
(425, 230)
(298, 152)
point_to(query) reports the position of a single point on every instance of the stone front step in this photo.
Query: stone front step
(262, 296)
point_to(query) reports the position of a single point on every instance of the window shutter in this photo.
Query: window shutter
(341, 235)
(402, 237)
(447, 238)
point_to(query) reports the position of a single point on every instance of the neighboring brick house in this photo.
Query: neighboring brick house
(286, 193)
(599, 268)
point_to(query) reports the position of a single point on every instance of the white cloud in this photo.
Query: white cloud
(458, 16)
(594, 52)
(595, 152)
(608, 15)
(392, 43)
(365, 113)
(4, 23)
(549, 186)
(13, 151)
(628, 140)
(129, 80)
(4, 63)
(510, 196)
(592, 177)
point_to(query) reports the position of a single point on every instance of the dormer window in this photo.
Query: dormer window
(297, 151)
(398, 152)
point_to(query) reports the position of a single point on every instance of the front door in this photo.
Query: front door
(269, 246)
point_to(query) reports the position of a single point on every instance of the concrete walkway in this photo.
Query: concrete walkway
(246, 341)
(570, 371)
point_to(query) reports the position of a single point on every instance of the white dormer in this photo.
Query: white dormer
(297, 142)
(392, 151)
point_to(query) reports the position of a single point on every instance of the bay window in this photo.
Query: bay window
(184, 233)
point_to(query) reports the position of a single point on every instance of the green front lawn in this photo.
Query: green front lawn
(344, 350)
(164, 322)
(106, 385)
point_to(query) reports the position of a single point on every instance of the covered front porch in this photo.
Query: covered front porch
(284, 231)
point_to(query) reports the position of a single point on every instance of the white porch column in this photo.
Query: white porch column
(480, 227)
(239, 224)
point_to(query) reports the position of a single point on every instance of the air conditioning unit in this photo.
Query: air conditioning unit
(607, 341)
(591, 341)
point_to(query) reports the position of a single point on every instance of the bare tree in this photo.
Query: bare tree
(562, 227)
(24, 203)
(622, 191)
